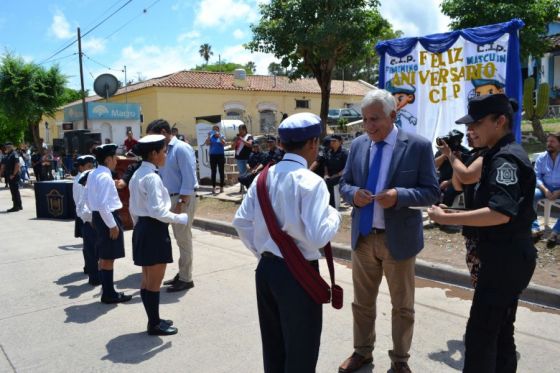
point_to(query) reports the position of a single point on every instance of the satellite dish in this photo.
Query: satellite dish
(106, 85)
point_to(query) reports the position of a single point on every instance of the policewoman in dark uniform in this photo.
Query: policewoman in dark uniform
(103, 201)
(502, 214)
(149, 208)
(335, 161)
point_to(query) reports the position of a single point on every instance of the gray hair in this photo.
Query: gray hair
(380, 96)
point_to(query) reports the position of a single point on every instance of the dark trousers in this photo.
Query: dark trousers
(90, 255)
(505, 270)
(331, 182)
(217, 161)
(290, 320)
(14, 189)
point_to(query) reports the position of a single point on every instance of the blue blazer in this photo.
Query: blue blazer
(412, 173)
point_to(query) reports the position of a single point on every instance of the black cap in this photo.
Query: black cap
(481, 106)
(105, 150)
(271, 139)
(336, 137)
(85, 159)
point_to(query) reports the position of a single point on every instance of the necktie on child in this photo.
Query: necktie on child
(366, 213)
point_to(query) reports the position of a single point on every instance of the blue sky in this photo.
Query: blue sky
(157, 37)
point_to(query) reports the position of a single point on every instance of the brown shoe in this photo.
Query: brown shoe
(400, 367)
(353, 363)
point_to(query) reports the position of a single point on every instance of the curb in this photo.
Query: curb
(541, 295)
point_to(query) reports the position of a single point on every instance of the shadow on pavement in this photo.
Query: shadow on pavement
(74, 247)
(70, 278)
(85, 313)
(131, 281)
(134, 348)
(453, 357)
(74, 291)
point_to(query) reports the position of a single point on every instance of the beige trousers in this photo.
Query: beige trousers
(370, 261)
(183, 236)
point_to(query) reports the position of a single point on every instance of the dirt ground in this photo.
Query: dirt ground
(440, 247)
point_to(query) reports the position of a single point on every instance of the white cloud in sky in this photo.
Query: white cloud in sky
(238, 34)
(417, 18)
(188, 35)
(221, 13)
(93, 45)
(60, 27)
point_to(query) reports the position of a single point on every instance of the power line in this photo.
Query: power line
(62, 58)
(86, 33)
(100, 64)
(143, 12)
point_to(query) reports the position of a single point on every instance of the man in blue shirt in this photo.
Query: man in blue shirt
(548, 182)
(179, 178)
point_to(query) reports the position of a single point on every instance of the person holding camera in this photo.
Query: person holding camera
(242, 145)
(217, 156)
(445, 172)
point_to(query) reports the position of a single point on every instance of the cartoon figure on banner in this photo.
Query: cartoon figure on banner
(404, 94)
(487, 86)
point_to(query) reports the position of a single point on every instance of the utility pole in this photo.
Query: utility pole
(125, 86)
(84, 107)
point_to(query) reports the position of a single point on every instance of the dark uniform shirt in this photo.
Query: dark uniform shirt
(10, 162)
(255, 159)
(273, 156)
(445, 171)
(468, 189)
(507, 185)
(335, 161)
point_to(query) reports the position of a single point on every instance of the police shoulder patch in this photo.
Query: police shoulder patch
(507, 174)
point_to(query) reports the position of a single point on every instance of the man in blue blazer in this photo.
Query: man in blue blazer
(388, 171)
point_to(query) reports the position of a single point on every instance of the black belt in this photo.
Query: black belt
(173, 194)
(268, 254)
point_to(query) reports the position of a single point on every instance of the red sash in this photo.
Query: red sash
(309, 279)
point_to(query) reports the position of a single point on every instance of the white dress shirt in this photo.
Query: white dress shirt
(391, 139)
(77, 190)
(300, 200)
(82, 208)
(148, 196)
(102, 195)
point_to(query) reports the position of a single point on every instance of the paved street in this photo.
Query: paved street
(51, 320)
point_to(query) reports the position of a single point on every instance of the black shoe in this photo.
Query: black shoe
(162, 329)
(172, 281)
(118, 298)
(552, 240)
(168, 322)
(180, 286)
(14, 209)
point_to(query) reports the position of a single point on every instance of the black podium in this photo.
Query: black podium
(53, 199)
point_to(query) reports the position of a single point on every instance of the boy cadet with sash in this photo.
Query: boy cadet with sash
(103, 200)
(290, 320)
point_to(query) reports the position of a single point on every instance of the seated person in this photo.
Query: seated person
(254, 165)
(274, 154)
(548, 182)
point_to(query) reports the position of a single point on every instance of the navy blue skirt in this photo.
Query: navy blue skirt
(105, 247)
(151, 243)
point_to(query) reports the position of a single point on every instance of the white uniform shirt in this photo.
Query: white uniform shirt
(300, 200)
(82, 209)
(77, 190)
(102, 195)
(148, 196)
(391, 140)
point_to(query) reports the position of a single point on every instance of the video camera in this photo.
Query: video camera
(453, 139)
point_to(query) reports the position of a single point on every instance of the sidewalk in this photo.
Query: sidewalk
(51, 320)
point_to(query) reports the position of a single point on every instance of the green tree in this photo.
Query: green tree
(205, 52)
(312, 37)
(223, 67)
(70, 95)
(27, 92)
(251, 66)
(536, 14)
(274, 68)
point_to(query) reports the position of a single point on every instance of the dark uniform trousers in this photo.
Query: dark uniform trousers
(14, 190)
(506, 269)
(90, 254)
(290, 320)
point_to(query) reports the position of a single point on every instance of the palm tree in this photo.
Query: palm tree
(205, 51)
